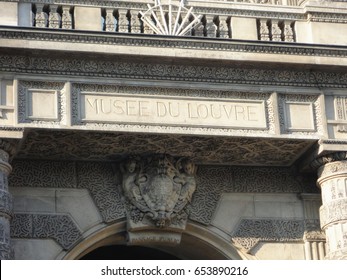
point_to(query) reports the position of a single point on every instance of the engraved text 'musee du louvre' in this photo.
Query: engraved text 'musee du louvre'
(172, 111)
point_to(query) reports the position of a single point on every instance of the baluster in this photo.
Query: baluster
(123, 21)
(54, 17)
(276, 31)
(288, 32)
(224, 27)
(200, 28)
(135, 22)
(66, 18)
(146, 28)
(109, 21)
(41, 17)
(264, 30)
(211, 27)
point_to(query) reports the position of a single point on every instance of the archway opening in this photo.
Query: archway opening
(123, 252)
(197, 243)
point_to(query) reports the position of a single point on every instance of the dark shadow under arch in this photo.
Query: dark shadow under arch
(198, 243)
(123, 252)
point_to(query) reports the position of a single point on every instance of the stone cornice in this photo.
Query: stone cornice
(79, 67)
(157, 41)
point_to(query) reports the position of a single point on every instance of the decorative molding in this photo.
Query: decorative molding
(23, 101)
(158, 188)
(327, 17)
(60, 228)
(321, 161)
(71, 145)
(251, 231)
(333, 212)
(78, 89)
(313, 232)
(314, 100)
(162, 42)
(333, 167)
(115, 69)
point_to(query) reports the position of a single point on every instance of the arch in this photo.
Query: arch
(198, 242)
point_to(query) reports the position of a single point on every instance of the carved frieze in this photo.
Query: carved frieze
(157, 189)
(333, 212)
(72, 145)
(251, 231)
(58, 227)
(313, 232)
(104, 67)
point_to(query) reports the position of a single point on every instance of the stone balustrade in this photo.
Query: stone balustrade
(129, 21)
(264, 20)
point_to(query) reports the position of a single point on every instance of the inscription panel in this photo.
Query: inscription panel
(181, 111)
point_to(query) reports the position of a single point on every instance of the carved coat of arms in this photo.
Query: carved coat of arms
(158, 189)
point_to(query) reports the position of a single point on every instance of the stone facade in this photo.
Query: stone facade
(198, 130)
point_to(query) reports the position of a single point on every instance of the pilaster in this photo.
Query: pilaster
(6, 203)
(314, 237)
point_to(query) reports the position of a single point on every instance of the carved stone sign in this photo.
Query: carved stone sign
(157, 190)
(172, 111)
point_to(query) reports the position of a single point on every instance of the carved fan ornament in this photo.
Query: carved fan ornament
(157, 190)
(170, 19)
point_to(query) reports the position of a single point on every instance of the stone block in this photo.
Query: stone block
(80, 206)
(42, 104)
(231, 208)
(8, 13)
(279, 251)
(88, 18)
(329, 33)
(25, 15)
(285, 206)
(303, 32)
(299, 116)
(35, 249)
(33, 200)
(244, 28)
